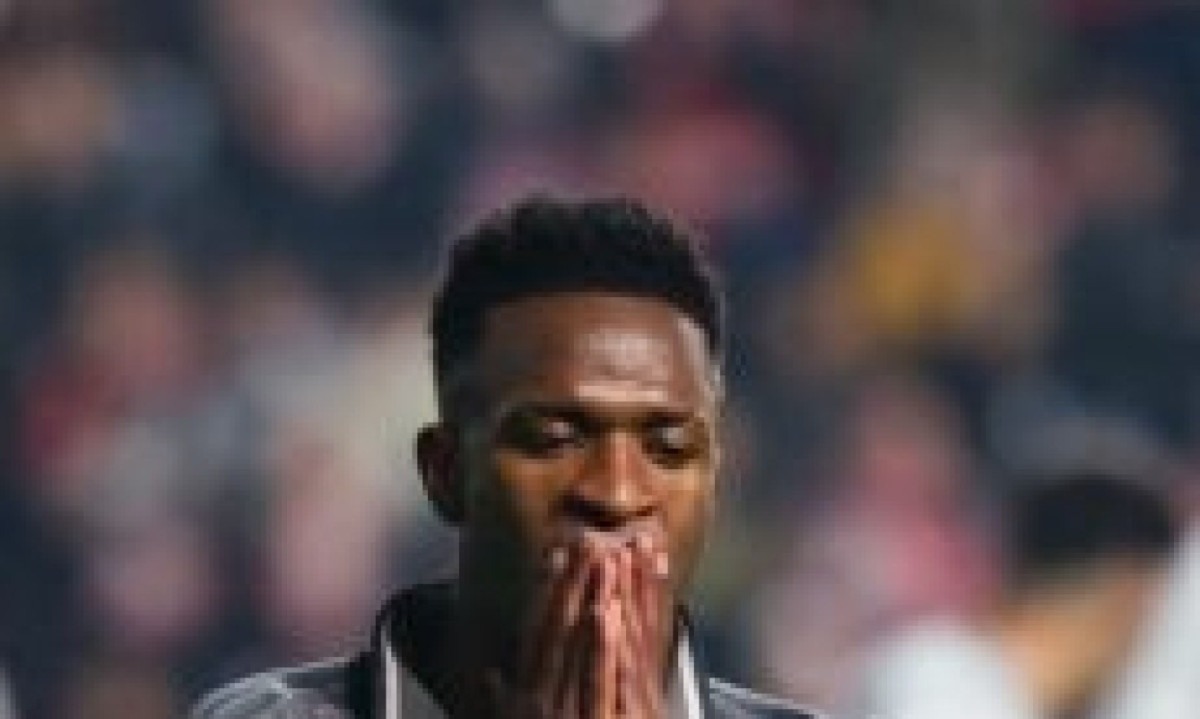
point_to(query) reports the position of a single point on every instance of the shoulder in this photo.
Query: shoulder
(282, 694)
(730, 701)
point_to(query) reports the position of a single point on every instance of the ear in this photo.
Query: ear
(438, 459)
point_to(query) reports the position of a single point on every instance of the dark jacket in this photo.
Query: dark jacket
(352, 689)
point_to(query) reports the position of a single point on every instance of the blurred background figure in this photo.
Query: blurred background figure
(1126, 276)
(959, 239)
(1162, 680)
(868, 555)
(1085, 557)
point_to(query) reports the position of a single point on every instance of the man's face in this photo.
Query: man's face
(596, 415)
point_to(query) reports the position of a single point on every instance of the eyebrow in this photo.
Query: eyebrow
(591, 412)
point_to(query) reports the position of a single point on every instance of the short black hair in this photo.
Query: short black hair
(1060, 528)
(543, 245)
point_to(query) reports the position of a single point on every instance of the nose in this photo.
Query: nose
(615, 484)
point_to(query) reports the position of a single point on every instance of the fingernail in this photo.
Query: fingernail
(558, 560)
(662, 564)
(612, 565)
(642, 542)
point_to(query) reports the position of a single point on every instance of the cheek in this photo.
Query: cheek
(689, 512)
(1132, 617)
(519, 496)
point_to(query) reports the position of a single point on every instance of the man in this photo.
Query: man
(1086, 556)
(577, 360)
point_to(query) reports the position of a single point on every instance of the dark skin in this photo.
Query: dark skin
(581, 473)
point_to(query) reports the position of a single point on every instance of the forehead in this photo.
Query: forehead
(594, 347)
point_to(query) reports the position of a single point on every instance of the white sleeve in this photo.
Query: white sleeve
(940, 679)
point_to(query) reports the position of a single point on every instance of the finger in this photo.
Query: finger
(581, 591)
(642, 693)
(656, 568)
(565, 628)
(606, 654)
(645, 596)
(627, 594)
(562, 594)
(556, 570)
(646, 650)
(571, 676)
(628, 643)
(625, 641)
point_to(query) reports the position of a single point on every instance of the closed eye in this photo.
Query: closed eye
(673, 443)
(540, 435)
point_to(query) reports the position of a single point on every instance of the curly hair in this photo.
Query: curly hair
(543, 246)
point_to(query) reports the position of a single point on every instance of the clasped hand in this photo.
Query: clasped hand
(596, 644)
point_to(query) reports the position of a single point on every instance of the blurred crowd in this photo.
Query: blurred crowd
(958, 239)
